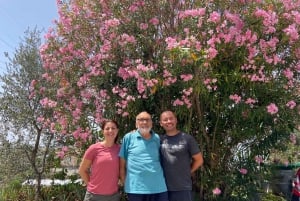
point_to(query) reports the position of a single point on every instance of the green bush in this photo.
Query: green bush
(10, 191)
(15, 184)
(70, 192)
(271, 197)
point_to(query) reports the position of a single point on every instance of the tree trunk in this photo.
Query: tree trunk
(38, 188)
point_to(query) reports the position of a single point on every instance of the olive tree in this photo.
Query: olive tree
(20, 111)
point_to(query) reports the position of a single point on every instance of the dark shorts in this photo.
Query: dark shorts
(295, 198)
(148, 197)
(180, 195)
(94, 197)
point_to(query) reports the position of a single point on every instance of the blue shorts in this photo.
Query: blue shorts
(180, 196)
(148, 197)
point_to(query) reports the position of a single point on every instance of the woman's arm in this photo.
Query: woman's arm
(84, 170)
(122, 170)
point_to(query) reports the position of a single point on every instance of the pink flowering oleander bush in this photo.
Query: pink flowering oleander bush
(229, 69)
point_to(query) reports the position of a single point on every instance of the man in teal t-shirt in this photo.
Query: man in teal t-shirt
(140, 168)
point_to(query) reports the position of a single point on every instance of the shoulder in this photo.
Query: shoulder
(94, 146)
(185, 135)
(162, 136)
(155, 135)
(130, 135)
(188, 138)
(92, 149)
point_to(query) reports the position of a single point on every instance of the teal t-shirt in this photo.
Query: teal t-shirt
(144, 174)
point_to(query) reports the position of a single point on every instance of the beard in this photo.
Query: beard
(144, 130)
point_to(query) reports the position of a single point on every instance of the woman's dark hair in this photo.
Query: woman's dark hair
(106, 121)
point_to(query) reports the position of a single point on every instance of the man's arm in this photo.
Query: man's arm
(197, 162)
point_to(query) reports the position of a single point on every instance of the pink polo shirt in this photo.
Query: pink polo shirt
(104, 174)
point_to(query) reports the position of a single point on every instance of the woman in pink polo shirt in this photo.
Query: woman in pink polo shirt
(99, 168)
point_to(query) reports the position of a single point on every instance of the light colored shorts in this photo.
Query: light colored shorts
(94, 197)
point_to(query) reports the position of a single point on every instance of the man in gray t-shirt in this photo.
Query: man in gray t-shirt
(180, 156)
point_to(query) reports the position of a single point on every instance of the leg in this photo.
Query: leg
(180, 195)
(135, 197)
(115, 197)
(159, 197)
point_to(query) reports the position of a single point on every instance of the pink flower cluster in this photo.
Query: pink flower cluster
(211, 84)
(272, 108)
(243, 171)
(184, 98)
(217, 191)
(259, 159)
(236, 98)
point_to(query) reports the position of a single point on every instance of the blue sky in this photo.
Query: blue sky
(16, 16)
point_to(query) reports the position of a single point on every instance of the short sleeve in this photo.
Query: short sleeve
(193, 146)
(124, 147)
(90, 153)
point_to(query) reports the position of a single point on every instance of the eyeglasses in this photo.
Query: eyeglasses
(143, 119)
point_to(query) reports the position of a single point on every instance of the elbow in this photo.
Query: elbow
(201, 162)
(198, 160)
(81, 172)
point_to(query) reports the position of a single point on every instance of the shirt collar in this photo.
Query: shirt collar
(140, 136)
